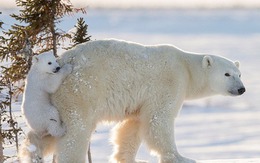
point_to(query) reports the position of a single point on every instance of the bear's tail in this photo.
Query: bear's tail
(34, 148)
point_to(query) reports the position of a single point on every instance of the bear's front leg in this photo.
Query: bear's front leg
(55, 80)
(158, 132)
(66, 69)
(55, 126)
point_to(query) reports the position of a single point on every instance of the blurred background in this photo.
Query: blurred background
(213, 128)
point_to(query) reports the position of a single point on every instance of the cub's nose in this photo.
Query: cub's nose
(57, 69)
(241, 90)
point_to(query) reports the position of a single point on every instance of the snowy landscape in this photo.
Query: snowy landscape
(208, 129)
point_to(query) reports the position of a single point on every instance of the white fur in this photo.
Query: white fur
(42, 80)
(142, 87)
(34, 148)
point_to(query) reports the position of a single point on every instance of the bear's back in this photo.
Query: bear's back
(117, 52)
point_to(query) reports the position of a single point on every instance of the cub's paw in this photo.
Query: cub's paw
(57, 130)
(68, 68)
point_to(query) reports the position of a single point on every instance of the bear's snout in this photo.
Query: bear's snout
(241, 90)
(57, 69)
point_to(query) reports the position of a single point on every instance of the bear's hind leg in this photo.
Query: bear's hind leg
(35, 147)
(126, 140)
(31, 151)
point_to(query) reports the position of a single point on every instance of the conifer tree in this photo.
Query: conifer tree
(81, 34)
(39, 19)
(1, 137)
(42, 17)
(1, 23)
(36, 27)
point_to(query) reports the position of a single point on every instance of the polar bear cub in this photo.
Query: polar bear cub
(44, 78)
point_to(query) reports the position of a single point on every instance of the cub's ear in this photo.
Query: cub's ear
(207, 61)
(237, 63)
(35, 59)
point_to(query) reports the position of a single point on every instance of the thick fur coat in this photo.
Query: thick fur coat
(43, 79)
(141, 87)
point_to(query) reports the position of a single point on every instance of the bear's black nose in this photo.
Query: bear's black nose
(57, 69)
(241, 90)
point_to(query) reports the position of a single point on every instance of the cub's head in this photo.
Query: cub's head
(224, 76)
(46, 62)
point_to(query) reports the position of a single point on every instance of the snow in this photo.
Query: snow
(232, 161)
(207, 129)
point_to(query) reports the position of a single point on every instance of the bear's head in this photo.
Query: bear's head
(46, 62)
(223, 75)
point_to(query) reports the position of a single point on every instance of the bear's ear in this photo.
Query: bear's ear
(237, 63)
(35, 59)
(207, 61)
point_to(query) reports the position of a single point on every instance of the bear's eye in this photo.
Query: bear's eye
(227, 74)
(49, 63)
(239, 75)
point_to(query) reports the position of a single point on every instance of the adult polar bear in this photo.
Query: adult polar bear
(141, 87)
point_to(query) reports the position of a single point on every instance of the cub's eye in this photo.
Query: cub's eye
(49, 63)
(227, 74)
(239, 75)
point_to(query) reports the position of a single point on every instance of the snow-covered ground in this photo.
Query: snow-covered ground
(214, 128)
